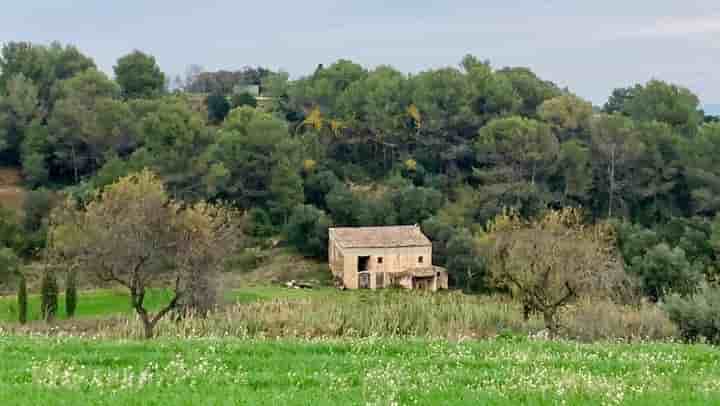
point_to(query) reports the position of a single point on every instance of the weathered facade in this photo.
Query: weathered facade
(379, 257)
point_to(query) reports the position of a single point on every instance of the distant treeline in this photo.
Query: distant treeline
(447, 148)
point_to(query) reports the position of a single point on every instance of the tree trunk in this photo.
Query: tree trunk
(75, 164)
(550, 322)
(149, 323)
(532, 176)
(527, 310)
(612, 181)
(149, 328)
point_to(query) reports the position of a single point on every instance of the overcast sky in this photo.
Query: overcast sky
(589, 46)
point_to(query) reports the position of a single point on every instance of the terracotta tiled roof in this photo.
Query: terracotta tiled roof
(421, 272)
(379, 237)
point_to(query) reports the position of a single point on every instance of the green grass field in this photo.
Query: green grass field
(107, 302)
(373, 371)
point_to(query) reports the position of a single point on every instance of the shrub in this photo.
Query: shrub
(71, 293)
(244, 99)
(697, 316)
(593, 319)
(662, 270)
(258, 223)
(218, 107)
(49, 296)
(318, 185)
(465, 265)
(416, 204)
(9, 263)
(307, 230)
(22, 300)
(37, 206)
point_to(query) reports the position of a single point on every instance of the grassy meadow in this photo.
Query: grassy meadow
(270, 345)
(368, 371)
(111, 302)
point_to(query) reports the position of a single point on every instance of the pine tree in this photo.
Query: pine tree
(22, 300)
(71, 293)
(49, 296)
(286, 188)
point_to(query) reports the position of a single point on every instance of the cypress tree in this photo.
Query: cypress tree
(71, 293)
(49, 295)
(22, 300)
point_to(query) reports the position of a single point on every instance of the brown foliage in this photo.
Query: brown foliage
(551, 262)
(133, 234)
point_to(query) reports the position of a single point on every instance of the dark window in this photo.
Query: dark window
(420, 260)
(363, 263)
(379, 260)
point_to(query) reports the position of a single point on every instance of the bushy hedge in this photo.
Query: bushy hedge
(697, 316)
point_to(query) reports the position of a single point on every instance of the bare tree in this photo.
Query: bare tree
(191, 74)
(133, 234)
(553, 261)
(206, 234)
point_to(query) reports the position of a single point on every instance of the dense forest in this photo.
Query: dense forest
(449, 149)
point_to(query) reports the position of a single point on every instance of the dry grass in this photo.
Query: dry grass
(276, 266)
(12, 195)
(592, 320)
(385, 314)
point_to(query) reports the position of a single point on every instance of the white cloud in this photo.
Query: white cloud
(672, 27)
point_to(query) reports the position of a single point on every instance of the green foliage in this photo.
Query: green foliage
(317, 187)
(414, 205)
(139, 76)
(22, 299)
(465, 265)
(471, 140)
(174, 139)
(342, 206)
(663, 270)
(526, 146)
(531, 89)
(86, 125)
(36, 209)
(286, 190)
(71, 293)
(697, 316)
(49, 292)
(258, 223)
(574, 168)
(11, 232)
(9, 265)
(307, 230)
(619, 98)
(18, 108)
(36, 154)
(243, 156)
(43, 65)
(218, 107)
(243, 99)
(667, 103)
(569, 115)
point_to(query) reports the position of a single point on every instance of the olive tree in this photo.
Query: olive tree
(133, 234)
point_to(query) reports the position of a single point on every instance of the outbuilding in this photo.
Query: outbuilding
(380, 257)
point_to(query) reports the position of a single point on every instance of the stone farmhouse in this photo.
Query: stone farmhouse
(380, 257)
